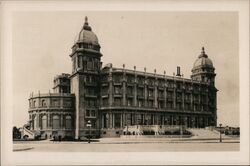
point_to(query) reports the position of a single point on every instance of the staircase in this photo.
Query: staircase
(204, 133)
(27, 132)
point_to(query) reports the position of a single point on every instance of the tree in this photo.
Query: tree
(16, 133)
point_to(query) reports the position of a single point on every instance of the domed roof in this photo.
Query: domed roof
(86, 34)
(203, 60)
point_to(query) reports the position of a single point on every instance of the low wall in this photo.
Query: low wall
(155, 136)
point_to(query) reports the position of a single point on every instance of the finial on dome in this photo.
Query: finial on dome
(203, 54)
(86, 19)
(202, 50)
(86, 24)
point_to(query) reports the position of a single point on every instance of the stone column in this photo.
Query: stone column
(199, 98)
(124, 92)
(183, 100)
(110, 93)
(61, 102)
(174, 94)
(110, 120)
(61, 122)
(135, 94)
(38, 125)
(192, 100)
(143, 118)
(113, 120)
(81, 61)
(48, 121)
(155, 96)
(145, 96)
(165, 97)
(121, 119)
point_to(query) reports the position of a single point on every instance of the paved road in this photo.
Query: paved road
(125, 147)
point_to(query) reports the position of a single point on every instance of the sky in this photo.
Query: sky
(42, 43)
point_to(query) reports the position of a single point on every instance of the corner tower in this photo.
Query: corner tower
(84, 80)
(203, 69)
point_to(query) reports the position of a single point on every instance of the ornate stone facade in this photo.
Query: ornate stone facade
(113, 98)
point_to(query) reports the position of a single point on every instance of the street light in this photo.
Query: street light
(89, 125)
(220, 132)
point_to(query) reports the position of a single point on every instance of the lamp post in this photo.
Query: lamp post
(89, 125)
(220, 132)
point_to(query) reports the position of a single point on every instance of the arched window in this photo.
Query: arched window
(44, 122)
(43, 103)
(68, 122)
(55, 122)
(34, 103)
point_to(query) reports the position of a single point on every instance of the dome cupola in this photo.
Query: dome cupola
(203, 60)
(88, 37)
(203, 69)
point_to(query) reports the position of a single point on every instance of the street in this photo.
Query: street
(126, 146)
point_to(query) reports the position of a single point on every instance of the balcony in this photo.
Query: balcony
(130, 84)
(105, 84)
(140, 96)
(90, 96)
(130, 95)
(118, 83)
(196, 101)
(151, 97)
(178, 90)
(90, 84)
(170, 99)
(170, 89)
(105, 96)
(161, 98)
(179, 99)
(117, 95)
(141, 85)
(196, 91)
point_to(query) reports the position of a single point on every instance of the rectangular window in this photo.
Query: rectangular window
(117, 78)
(129, 102)
(178, 105)
(169, 105)
(178, 96)
(150, 93)
(161, 93)
(105, 102)
(87, 113)
(89, 65)
(140, 103)
(150, 103)
(117, 102)
(130, 79)
(170, 95)
(118, 90)
(117, 120)
(140, 92)
(129, 91)
(93, 113)
(105, 91)
(160, 104)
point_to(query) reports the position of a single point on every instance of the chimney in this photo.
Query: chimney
(178, 71)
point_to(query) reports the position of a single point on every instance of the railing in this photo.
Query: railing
(52, 95)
